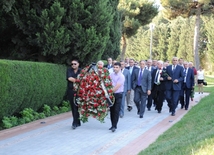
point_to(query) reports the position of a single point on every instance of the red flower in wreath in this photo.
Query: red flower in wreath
(91, 96)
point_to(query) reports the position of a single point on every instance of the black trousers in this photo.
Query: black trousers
(74, 108)
(159, 96)
(115, 109)
(149, 101)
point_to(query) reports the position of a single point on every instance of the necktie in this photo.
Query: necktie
(130, 70)
(139, 78)
(173, 68)
(185, 70)
(156, 78)
(185, 73)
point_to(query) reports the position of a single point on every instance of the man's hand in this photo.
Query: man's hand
(72, 79)
(148, 92)
(129, 91)
(169, 78)
(161, 79)
(175, 81)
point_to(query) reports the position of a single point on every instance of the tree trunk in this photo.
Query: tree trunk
(122, 55)
(196, 37)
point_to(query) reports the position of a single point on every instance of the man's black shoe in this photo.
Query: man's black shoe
(149, 109)
(113, 129)
(74, 126)
(173, 113)
(159, 111)
(129, 108)
(141, 116)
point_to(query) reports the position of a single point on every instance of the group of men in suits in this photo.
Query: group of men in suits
(154, 82)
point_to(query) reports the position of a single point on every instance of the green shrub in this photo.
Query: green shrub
(7, 123)
(47, 110)
(29, 115)
(30, 85)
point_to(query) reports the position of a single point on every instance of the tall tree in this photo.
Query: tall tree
(113, 45)
(89, 23)
(138, 45)
(186, 39)
(175, 31)
(186, 8)
(160, 44)
(135, 13)
(208, 40)
(56, 31)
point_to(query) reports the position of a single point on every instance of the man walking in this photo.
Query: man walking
(151, 69)
(158, 86)
(174, 79)
(127, 86)
(118, 80)
(130, 96)
(72, 74)
(141, 84)
(187, 86)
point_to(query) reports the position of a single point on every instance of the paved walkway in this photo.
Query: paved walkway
(55, 136)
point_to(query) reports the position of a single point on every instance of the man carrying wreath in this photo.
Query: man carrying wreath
(71, 75)
(118, 80)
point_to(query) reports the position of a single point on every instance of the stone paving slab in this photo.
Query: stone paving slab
(92, 138)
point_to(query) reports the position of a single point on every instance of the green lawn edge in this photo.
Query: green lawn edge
(193, 134)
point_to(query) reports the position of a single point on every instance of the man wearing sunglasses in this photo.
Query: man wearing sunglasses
(72, 74)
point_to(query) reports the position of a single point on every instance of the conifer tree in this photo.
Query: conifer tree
(187, 8)
(173, 39)
(135, 13)
(113, 45)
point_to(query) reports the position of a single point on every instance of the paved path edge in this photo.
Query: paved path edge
(7, 133)
(150, 136)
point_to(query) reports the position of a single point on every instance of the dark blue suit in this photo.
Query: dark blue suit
(187, 86)
(173, 89)
(134, 67)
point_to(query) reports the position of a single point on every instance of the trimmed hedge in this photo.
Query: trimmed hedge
(30, 85)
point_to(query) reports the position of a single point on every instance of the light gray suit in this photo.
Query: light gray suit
(127, 87)
(140, 91)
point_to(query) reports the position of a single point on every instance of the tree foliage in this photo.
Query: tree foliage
(170, 38)
(135, 13)
(56, 31)
(209, 41)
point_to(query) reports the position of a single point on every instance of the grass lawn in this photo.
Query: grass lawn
(193, 134)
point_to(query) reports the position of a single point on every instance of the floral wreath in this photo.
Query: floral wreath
(94, 92)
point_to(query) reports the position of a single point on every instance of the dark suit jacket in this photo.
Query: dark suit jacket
(107, 66)
(134, 67)
(127, 84)
(178, 74)
(162, 83)
(145, 81)
(190, 78)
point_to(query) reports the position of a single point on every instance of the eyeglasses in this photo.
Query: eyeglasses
(175, 60)
(73, 64)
